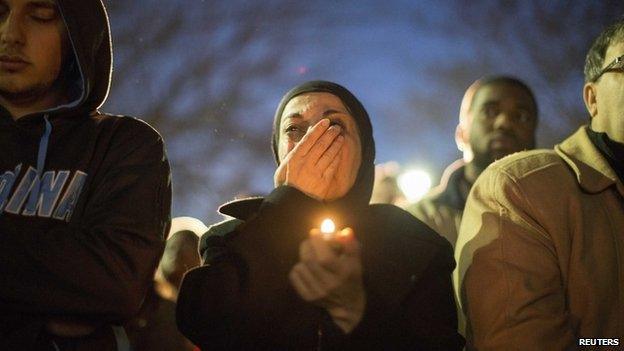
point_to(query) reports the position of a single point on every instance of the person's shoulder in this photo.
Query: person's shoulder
(216, 236)
(223, 228)
(431, 199)
(524, 175)
(527, 164)
(524, 180)
(126, 125)
(427, 206)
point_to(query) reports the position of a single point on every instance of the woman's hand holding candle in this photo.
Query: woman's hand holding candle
(330, 278)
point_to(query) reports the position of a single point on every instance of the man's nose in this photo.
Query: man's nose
(11, 31)
(504, 120)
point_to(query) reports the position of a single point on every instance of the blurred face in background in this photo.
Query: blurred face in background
(181, 255)
(502, 120)
(304, 111)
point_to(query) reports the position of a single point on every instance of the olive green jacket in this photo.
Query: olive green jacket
(541, 251)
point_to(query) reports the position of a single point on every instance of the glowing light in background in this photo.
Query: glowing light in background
(187, 223)
(414, 184)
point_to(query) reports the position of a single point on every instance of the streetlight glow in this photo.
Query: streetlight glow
(414, 184)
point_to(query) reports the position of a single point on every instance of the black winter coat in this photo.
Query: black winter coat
(241, 297)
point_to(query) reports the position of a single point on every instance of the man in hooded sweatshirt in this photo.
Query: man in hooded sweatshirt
(84, 196)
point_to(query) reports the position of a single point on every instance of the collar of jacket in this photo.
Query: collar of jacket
(611, 150)
(449, 188)
(241, 209)
(245, 209)
(593, 172)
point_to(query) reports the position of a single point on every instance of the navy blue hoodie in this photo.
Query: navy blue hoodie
(84, 201)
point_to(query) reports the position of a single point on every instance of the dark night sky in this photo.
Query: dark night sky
(407, 61)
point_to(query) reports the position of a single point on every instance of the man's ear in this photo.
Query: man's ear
(590, 98)
(461, 137)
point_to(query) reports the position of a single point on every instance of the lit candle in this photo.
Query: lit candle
(329, 233)
(328, 229)
(328, 226)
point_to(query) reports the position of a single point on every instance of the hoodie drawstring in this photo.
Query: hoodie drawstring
(41, 158)
(123, 343)
(43, 146)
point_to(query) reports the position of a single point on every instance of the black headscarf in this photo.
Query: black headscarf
(362, 189)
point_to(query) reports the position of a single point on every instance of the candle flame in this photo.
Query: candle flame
(328, 226)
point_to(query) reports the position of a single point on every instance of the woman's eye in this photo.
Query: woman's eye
(336, 123)
(44, 15)
(294, 132)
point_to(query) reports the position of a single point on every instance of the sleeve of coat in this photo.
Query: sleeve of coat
(206, 310)
(98, 266)
(508, 277)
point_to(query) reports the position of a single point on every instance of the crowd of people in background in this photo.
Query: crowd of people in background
(515, 249)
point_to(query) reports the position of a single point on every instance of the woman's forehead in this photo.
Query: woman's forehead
(316, 101)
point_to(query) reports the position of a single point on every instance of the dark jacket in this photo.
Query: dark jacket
(442, 208)
(84, 202)
(241, 297)
(154, 328)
